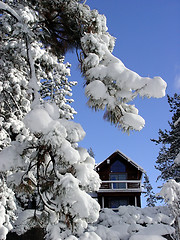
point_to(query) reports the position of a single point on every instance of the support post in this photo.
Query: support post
(102, 201)
(135, 201)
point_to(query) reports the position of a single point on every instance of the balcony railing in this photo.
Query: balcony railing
(120, 185)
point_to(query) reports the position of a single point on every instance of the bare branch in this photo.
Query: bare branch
(10, 94)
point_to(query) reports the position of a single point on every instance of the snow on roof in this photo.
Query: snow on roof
(126, 158)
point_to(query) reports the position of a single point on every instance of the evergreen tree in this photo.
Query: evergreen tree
(170, 144)
(91, 153)
(170, 192)
(168, 161)
(47, 166)
(149, 194)
(7, 209)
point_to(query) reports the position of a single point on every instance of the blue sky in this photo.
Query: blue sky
(148, 42)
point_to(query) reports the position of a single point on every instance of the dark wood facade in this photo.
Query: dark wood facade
(121, 181)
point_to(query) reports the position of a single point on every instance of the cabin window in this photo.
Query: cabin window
(118, 166)
(116, 177)
(118, 172)
(116, 202)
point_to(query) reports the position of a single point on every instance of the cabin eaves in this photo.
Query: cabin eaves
(124, 157)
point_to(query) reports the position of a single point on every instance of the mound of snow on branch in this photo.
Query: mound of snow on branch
(110, 85)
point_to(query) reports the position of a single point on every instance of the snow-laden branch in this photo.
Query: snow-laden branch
(111, 86)
(8, 9)
(33, 79)
(14, 100)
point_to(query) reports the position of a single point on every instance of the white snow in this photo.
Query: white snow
(88, 177)
(44, 119)
(145, 237)
(7, 8)
(38, 120)
(176, 123)
(155, 87)
(177, 159)
(89, 236)
(3, 232)
(82, 206)
(75, 132)
(25, 221)
(156, 229)
(106, 233)
(52, 110)
(131, 120)
(7, 209)
(133, 223)
(97, 89)
(9, 158)
(70, 154)
(170, 191)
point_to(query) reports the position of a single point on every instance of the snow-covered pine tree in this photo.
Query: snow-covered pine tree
(168, 161)
(170, 192)
(39, 144)
(149, 194)
(14, 97)
(7, 209)
(44, 158)
(51, 73)
(169, 141)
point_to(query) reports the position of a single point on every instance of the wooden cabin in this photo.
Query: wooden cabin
(121, 181)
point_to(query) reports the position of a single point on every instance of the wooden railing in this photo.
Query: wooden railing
(123, 185)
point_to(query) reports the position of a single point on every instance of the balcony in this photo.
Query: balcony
(121, 186)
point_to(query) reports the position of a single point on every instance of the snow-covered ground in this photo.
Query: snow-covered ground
(128, 223)
(133, 223)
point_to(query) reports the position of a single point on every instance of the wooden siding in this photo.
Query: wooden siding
(104, 169)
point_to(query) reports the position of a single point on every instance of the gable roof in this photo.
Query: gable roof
(125, 158)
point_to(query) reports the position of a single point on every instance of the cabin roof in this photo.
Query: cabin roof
(117, 152)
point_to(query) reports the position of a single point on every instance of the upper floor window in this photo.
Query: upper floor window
(118, 166)
(117, 177)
